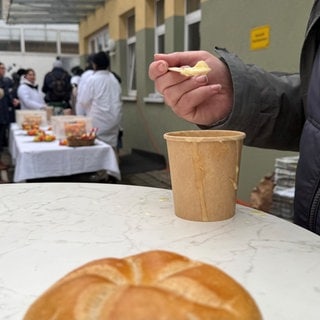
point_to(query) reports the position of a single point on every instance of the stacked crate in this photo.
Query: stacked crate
(283, 192)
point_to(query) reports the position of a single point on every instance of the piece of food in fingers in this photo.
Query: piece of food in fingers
(201, 68)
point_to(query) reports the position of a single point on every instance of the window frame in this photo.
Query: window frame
(99, 41)
(159, 30)
(190, 19)
(131, 60)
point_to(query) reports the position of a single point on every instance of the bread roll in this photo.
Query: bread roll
(152, 285)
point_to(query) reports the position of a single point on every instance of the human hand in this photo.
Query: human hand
(203, 99)
(16, 102)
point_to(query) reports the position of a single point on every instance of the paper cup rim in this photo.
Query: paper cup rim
(204, 135)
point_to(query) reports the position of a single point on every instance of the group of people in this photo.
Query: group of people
(94, 92)
(21, 92)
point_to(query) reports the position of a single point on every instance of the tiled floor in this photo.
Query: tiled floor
(157, 179)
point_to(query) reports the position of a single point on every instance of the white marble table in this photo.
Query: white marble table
(46, 230)
(48, 159)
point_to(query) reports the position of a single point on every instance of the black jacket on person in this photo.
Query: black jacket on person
(49, 81)
(5, 101)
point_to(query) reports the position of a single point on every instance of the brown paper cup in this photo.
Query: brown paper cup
(204, 168)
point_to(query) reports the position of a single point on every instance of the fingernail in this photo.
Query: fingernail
(202, 79)
(216, 87)
(162, 67)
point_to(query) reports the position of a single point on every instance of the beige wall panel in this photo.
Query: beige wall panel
(144, 14)
(174, 8)
(124, 5)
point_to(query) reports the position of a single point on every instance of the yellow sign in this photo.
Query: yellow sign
(260, 37)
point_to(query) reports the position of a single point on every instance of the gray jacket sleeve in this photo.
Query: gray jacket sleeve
(267, 106)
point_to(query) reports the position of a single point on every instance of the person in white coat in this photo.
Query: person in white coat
(82, 85)
(29, 96)
(102, 100)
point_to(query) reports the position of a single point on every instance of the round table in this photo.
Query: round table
(48, 229)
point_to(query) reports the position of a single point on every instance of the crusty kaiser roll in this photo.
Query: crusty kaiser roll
(152, 285)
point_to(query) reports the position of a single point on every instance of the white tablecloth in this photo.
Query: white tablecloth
(48, 159)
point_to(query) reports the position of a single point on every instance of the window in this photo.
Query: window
(131, 56)
(159, 26)
(69, 42)
(99, 41)
(40, 40)
(192, 25)
(92, 46)
(50, 41)
(192, 5)
(10, 39)
(159, 43)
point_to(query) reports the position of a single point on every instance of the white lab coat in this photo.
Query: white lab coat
(102, 101)
(30, 97)
(81, 92)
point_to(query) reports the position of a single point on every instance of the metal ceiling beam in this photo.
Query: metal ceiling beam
(50, 11)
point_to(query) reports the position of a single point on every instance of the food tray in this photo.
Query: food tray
(68, 126)
(29, 119)
(78, 142)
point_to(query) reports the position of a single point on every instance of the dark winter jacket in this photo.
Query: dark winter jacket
(272, 109)
(5, 100)
(57, 86)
